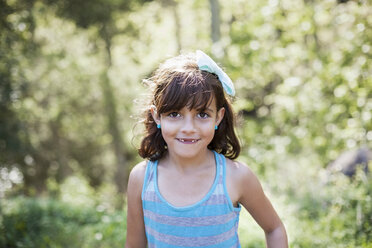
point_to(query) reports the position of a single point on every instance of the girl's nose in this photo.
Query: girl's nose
(188, 125)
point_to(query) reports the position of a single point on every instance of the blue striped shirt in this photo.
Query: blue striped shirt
(212, 222)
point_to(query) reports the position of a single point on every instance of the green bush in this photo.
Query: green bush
(48, 223)
(335, 213)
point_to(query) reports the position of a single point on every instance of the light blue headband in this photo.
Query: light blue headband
(205, 63)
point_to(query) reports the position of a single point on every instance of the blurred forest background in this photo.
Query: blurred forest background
(71, 80)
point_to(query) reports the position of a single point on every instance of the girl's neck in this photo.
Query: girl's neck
(183, 164)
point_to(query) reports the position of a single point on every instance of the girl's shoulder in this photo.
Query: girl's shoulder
(137, 175)
(139, 169)
(241, 179)
(238, 170)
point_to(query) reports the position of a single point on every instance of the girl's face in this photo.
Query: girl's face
(189, 132)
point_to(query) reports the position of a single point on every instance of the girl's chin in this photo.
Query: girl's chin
(187, 152)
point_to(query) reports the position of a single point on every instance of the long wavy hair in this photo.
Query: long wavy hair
(177, 83)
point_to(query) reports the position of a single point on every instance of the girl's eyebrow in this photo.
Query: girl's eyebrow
(207, 109)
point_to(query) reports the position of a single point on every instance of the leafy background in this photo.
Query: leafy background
(71, 91)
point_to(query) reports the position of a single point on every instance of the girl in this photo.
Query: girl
(190, 190)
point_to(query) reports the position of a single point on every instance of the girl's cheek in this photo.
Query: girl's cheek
(169, 126)
(207, 123)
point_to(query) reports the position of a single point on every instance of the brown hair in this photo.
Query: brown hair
(178, 82)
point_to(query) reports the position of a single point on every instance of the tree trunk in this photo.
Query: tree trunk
(122, 172)
(177, 25)
(215, 22)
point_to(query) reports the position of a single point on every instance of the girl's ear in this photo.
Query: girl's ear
(154, 114)
(220, 115)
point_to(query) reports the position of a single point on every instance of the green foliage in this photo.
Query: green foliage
(334, 213)
(302, 71)
(15, 45)
(26, 222)
(89, 13)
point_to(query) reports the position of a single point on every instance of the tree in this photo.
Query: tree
(54, 151)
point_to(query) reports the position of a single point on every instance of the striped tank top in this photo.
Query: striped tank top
(212, 222)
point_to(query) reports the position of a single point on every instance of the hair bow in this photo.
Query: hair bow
(205, 63)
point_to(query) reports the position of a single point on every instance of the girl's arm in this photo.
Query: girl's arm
(252, 197)
(136, 237)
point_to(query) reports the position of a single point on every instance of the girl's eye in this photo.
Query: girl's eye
(173, 114)
(203, 115)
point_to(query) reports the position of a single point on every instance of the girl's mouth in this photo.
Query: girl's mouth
(188, 141)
